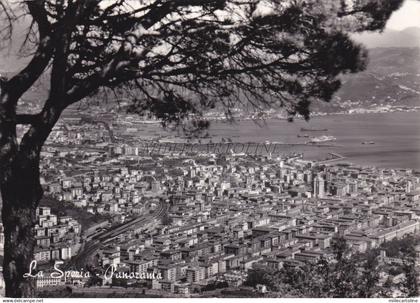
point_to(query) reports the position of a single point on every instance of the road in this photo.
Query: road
(88, 249)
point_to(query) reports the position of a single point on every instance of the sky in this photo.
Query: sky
(407, 16)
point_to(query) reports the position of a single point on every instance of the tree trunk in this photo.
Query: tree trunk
(21, 193)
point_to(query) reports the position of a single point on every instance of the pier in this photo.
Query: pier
(334, 157)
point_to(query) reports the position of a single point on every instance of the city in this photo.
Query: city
(196, 218)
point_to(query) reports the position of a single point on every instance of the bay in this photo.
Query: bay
(396, 137)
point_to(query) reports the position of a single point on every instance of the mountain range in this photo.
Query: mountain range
(409, 37)
(392, 77)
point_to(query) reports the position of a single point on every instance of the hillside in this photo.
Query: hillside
(392, 78)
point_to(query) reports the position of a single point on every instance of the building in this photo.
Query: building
(319, 187)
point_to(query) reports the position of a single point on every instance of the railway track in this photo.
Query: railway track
(89, 248)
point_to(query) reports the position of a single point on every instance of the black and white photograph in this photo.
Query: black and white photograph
(197, 149)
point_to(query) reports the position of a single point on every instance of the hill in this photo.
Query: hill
(392, 78)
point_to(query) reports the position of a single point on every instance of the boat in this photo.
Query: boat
(313, 129)
(322, 139)
(368, 142)
(303, 136)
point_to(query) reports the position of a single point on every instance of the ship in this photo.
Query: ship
(322, 139)
(313, 129)
(273, 142)
(368, 142)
